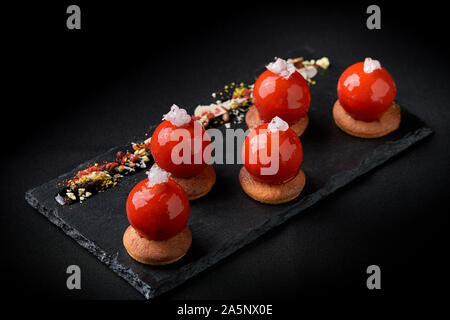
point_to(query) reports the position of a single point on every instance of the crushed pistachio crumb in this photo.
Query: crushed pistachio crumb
(71, 196)
(324, 63)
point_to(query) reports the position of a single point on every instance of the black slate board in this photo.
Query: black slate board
(226, 220)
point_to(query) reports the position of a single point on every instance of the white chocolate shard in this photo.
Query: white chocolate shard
(308, 72)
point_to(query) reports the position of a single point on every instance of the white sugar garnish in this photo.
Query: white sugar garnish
(281, 67)
(177, 116)
(157, 175)
(277, 124)
(371, 65)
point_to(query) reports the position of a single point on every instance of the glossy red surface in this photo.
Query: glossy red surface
(260, 151)
(168, 136)
(366, 96)
(159, 212)
(288, 99)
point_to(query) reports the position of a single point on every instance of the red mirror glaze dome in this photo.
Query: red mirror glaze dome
(366, 96)
(158, 212)
(274, 96)
(257, 146)
(166, 138)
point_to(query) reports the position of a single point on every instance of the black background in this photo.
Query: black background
(71, 94)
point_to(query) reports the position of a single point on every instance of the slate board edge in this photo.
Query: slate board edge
(336, 182)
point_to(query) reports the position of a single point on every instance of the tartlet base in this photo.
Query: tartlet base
(154, 252)
(271, 193)
(389, 121)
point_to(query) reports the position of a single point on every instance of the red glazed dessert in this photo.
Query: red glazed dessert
(365, 106)
(280, 91)
(289, 154)
(272, 155)
(158, 211)
(181, 146)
